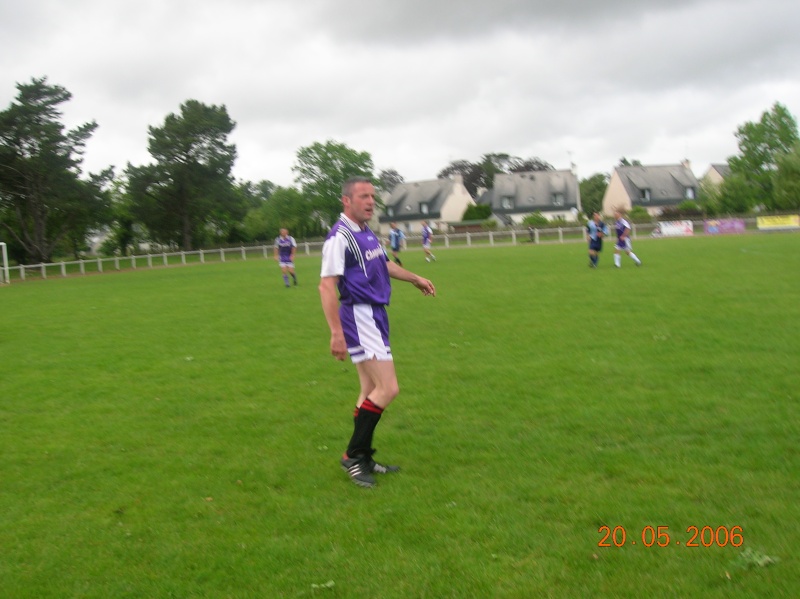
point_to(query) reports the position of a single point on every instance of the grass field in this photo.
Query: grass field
(175, 432)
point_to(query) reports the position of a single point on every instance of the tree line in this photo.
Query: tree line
(187, 198)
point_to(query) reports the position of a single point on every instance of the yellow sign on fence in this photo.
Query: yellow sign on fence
(789, 221)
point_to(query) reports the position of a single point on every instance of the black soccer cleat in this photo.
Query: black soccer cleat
(359, 471)
(378, 468)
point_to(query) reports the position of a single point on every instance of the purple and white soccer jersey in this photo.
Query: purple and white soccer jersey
(426, 236)
(357, 257)
(622, 244)
(285, 246)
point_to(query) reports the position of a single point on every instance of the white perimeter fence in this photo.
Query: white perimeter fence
(447, 240)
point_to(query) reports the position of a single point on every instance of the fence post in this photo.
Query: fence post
(633, 230)
(536, 236)
(469, 239)
(63, 269)
(83, 269)
(560, 235)
(202, 257)
(99, 265)
(164, 258)
(221, 255)
(263, 247)
(244, 255)
(446, 241)
(44, 270)
(308, 249)
(491, 239)
(183, 257)
(514, 236)
(116, 262)
(149, 261)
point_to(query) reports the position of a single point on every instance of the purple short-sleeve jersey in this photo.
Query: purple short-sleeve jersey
(621, 225)
(357, 257)
(426, 235)
(285, 246)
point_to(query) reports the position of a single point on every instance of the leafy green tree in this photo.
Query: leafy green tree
(761, 144)
(471, 174)
(708, 198)
(625, 162)
(187, 196)
(592, 191)
(321, 168)
(787, 180)
(480, 175)
(738, 194)
(389, 179)
(44, 202)
(527, 165)
(284, 207)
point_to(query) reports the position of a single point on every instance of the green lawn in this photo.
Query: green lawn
(175, 432)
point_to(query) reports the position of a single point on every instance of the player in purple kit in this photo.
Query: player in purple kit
(623, 228)
(355, 289)
(427, 239)
(285, 248)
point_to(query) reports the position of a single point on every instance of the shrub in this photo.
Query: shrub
(537, 219)
(640, 215)
(477, 212)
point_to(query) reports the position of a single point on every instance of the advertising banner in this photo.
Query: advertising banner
(676, 228)
(789, 221)
(724, 226)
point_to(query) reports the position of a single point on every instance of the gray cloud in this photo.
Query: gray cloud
(416, 83)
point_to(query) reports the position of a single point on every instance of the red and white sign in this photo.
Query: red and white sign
(676, 228)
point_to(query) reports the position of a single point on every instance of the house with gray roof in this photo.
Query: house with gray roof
(651, 187)
(556, 194)
(716, 174)
(437, 201)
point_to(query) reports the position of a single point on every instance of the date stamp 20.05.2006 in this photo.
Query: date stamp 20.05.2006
(659, 536)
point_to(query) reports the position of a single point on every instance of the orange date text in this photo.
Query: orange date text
(660, 536)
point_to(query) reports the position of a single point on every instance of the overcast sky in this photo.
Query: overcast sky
(416, 83)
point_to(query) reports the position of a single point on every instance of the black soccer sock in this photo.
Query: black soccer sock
(365, 422)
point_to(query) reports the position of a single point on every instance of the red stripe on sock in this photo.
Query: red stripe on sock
(371, 407)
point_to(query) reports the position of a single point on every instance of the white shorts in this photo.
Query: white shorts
(366, 332)
(286, 264)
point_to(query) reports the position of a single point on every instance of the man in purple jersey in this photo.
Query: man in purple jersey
(285, 248)
(355, 289)
(623, 228)
(427, 239)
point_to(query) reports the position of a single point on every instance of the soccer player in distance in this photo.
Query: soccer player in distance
(596, 229)
(623, 229)
(427, 239)
(396, 237)
(354, 289)
(285, 248)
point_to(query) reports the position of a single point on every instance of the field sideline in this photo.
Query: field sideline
(175, 432)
